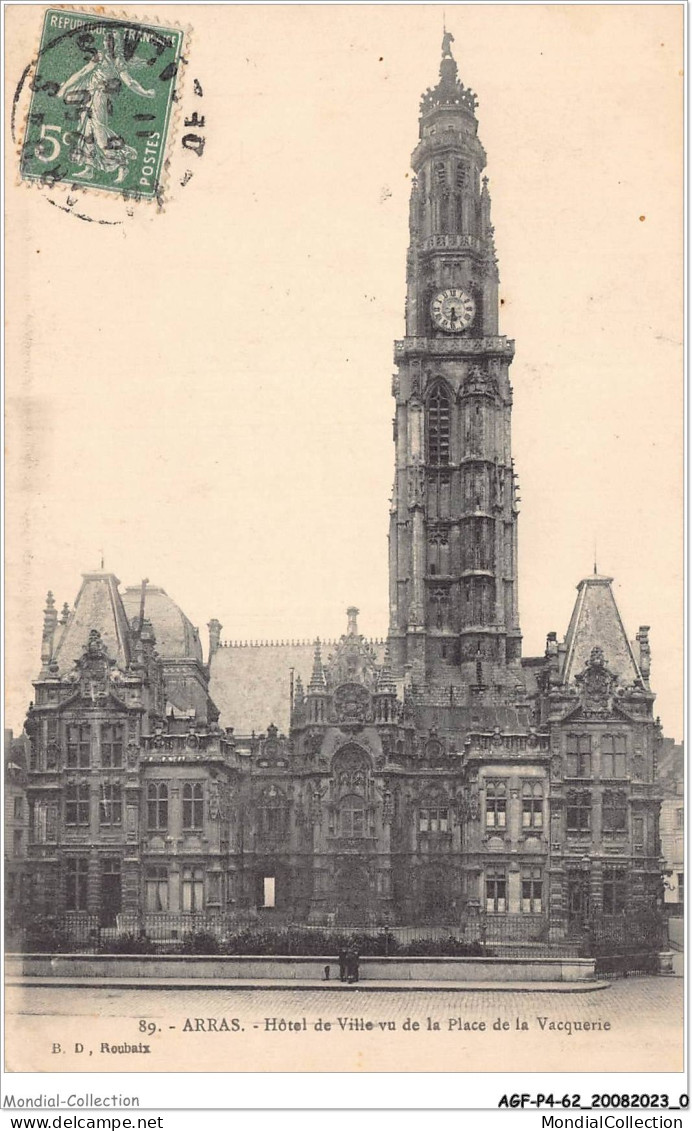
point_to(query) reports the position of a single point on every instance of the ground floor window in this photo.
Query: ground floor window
(614, 890)
(156, 889)
(193, 889)
(531, 890)
(76, 888)
(269, 891)
(496, 890)
(111, 890)
(214, 887)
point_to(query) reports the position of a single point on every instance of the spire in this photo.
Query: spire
(596, 623)
(318, 680)
(352, 614)
(98, 606)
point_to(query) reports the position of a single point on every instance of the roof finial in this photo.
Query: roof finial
(102, 559)
(595, 556)
(447, 41)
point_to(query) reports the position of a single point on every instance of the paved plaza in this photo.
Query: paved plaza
(635, 1024)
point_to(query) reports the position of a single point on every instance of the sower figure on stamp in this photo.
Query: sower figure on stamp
(93, 88)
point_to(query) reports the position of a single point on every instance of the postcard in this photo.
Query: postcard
(344, 541)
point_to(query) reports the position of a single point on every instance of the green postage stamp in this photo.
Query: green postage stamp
(101, 103)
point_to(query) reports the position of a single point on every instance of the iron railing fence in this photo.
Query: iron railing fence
(619, 944)
(200, 932)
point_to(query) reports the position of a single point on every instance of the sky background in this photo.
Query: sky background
(203, 394)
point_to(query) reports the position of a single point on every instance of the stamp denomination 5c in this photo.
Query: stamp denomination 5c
(101, 102)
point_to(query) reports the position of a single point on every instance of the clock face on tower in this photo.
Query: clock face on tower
(452, 310)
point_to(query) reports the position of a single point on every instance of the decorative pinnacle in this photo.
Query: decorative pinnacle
(318, 680)
(385, 679)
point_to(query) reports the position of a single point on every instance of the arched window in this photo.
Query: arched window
(352, 816)
(157, 806)
(532, 805)
(272, 813)
(193, 805)
(439, 426)
(496, 805)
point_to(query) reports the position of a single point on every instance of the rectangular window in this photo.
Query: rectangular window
(496, 891)
(679, 818)
(193, 806)
(214, 887)
(193, 889)
(531, 891)
(614, 890)
(112, 745)
(269, 891)
(18, 808)
(156, 882)
(52, 747)
(578, 811)
(76, 884)
(496, 805)
(614, 811)
(638, 834)
(433, 820)
(17, 842)
(613, 756)
(77, 803)
(79, 746)
(111, 804)
(578, 762)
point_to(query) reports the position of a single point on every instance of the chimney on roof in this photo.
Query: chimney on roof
(50, 621)
(644, 652)
(214, 627)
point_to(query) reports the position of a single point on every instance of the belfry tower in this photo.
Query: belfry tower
(453, 533)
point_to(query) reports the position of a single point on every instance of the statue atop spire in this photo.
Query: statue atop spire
(450, 92)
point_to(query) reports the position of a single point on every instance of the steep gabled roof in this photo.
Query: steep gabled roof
(176, 636)
(98, 606)
(596, 623)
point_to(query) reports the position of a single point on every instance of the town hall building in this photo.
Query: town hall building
(433, 777)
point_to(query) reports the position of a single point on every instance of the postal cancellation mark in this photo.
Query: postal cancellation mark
(101, 102)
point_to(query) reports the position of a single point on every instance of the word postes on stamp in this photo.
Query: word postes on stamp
(101, 102)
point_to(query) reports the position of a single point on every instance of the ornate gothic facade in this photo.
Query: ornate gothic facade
(423, 779)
